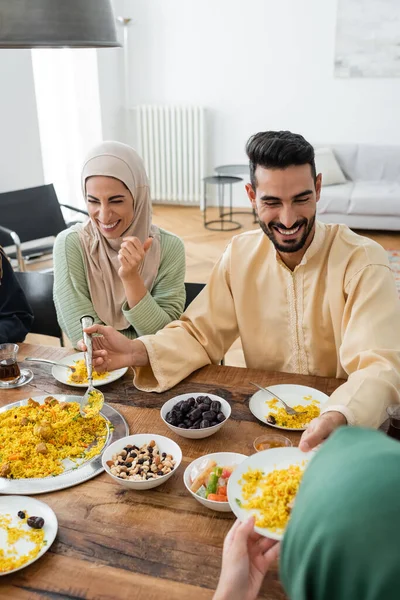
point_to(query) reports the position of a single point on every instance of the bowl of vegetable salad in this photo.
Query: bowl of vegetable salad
(206, 478)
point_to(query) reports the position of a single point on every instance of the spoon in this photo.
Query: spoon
(92, 402)
(49, 362)
(289, 409)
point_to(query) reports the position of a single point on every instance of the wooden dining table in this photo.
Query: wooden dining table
(115, 543)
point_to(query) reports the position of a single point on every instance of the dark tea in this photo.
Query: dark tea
(394, 416)
(9, 370)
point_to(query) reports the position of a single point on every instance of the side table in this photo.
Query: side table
(225, 221)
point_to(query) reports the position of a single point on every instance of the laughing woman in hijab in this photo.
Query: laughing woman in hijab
(118, 267)
(343, 537)
(16, 315)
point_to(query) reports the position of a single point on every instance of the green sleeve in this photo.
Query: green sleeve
(72, 297)
(71, 292)
(166, 301)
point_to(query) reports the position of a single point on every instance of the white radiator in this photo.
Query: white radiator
(171, 143)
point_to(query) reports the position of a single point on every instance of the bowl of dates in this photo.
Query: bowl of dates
(195, 416)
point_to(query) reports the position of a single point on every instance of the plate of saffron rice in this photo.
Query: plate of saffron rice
(78, 378)
(304, 399)
(46, 445)
(265, 485)
(28, 527)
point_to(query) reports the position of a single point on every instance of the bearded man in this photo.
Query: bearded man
(303, 296)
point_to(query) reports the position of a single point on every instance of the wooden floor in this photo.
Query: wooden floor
(204, 247)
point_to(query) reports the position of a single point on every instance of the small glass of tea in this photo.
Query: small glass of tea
(271, 440)
(393, 412)
(9, 369)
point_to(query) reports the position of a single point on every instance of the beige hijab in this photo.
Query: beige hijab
(113, 159)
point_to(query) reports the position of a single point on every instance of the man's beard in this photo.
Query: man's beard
(291, 245)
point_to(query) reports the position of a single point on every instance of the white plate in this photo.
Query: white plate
(267, 461)
(293, 395)
(62, 374)
(10, 505)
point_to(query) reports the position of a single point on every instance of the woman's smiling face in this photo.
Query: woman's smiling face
(110, 205)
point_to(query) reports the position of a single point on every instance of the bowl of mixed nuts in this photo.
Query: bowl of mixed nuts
(197, 415)
(142, 461)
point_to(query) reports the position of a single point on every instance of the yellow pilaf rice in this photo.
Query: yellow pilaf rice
(282, 419)
(95, 404)
(56, 428)
(80, 373)
(9, 557)
(270, 496)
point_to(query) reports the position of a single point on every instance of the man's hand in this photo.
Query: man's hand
(246, 558)
(320, 429)
(130, 256)
(112, 350)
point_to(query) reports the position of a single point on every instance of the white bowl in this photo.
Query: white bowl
(138, 439)
(223, 459)
(195, 434)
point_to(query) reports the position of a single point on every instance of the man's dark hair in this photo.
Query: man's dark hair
(278, 150)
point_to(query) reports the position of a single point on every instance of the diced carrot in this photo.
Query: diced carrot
(221, 490)
(15, 456)
(217, 498)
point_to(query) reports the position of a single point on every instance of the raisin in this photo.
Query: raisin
(35, 522)
(271, 419)
(140, 461)
(220, 417)
(160, 473)
(204, 424)
(21, 514)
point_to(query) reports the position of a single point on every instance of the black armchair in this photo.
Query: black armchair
(38, 289)
(28, 215)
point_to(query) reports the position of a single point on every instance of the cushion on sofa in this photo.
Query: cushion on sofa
(377, 163)
(326, 163)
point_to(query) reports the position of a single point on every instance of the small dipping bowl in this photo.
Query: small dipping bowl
(271, 440)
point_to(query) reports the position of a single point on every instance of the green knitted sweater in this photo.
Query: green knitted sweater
(72, 298)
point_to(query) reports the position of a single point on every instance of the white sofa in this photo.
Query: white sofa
(370, 198)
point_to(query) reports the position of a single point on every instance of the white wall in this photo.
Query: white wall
(110, 63)
(256, 65)
(20, 154)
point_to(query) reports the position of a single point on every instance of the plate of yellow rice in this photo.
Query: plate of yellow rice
(300, 397)
(79, 377)
(21, 545)
(265, 486)
(46, 445)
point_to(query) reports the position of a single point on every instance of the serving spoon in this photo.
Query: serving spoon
(87, 321)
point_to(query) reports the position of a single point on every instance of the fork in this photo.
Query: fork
(289, 409)
(49, 362)
(87, 321)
